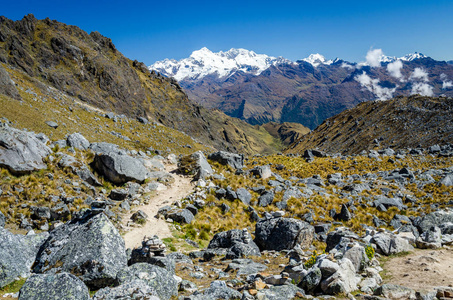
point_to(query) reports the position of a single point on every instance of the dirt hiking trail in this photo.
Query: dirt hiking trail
(153, 226)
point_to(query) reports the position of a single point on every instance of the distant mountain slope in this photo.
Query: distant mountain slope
(90, 69)
(310, 90)
(398, 123)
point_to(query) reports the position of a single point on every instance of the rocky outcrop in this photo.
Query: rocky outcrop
(54, 287)
(89, 247)
(20, 151)
(283, 233)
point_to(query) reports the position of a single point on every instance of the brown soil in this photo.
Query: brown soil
(153, 226)
(421, 270)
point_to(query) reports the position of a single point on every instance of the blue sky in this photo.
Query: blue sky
(153, 30)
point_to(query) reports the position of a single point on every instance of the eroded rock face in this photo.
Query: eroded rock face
(283, 233)
(54, 287)
(154, 277)
(120, 168)
(21, 152)
(90, 248)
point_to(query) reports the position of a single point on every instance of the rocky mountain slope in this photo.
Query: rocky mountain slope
(311, 90)
(284, 227)
(402, 122)
(49, 61)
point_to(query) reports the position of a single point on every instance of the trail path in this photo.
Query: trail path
(422, 269)
(153, 226)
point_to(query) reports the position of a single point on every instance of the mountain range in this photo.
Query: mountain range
(259, 88)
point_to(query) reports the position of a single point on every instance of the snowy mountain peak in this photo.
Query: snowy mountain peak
(317, 59)
(204, 62)
(413, 56)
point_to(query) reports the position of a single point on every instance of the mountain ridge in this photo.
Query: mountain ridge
(310, 90)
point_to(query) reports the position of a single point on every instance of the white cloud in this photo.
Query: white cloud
(347, 66)
(394, 69)
(445, 82)
(373, 86)
(419, 73)
(373, 57)
(423, 89)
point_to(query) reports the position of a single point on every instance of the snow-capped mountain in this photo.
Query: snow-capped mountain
(317, 59)
(204, 62)
(407, 57)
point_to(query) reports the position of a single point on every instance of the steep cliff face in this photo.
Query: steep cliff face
(89, 68)
(398, 123)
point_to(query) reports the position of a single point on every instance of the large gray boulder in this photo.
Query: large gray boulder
(78, 168)
(54, 287)
(181, 216)
(343, 281)
(77, 141)
(389, 244)
(7, 85)
(155, 277)
(133, 290)
(120, 168)
(226, 158)
(195, 164)
(238, 242)
(21, 152)
(283, 233)
(89, 247)
(17, 253)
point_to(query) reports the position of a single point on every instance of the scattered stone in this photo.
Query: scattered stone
(182, 216)
(139, 217)
(52, 124)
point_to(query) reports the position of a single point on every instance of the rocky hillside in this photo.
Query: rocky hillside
(269, 227)
(311, 90)
(414, 121)
(49, 61)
